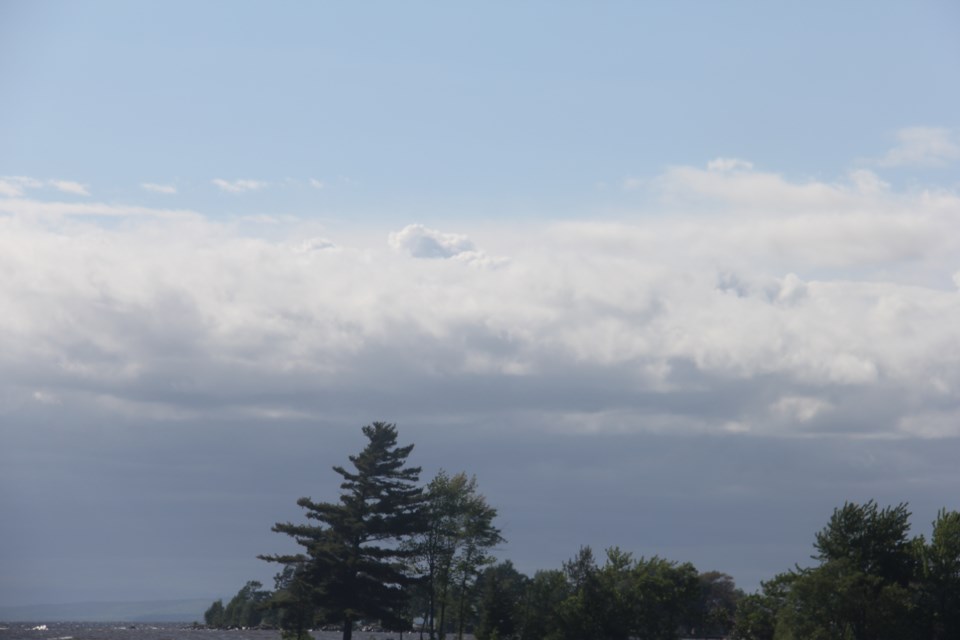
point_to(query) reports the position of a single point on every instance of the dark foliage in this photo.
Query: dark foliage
(355, 566)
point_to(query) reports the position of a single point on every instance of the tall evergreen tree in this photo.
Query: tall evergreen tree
(355, 561)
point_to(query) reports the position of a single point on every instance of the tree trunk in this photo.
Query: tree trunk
(348, 628)
(433, 605)
(443, 617)
(463, 600)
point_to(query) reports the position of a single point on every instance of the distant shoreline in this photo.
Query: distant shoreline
(144, 611)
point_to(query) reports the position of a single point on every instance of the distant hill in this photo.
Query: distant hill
(152, 611)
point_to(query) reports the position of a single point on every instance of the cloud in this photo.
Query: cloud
(844, 224)
(421, 242)
(923, 147)
(28, 208)
(792, 309)
(801, 409)
(15, 186)
(239, 186)
(932, 424)
(867, 182)
(733, 183)
(45, 398)
(317, 184)
(418, 241)
(728, 164)
(158, 188)
(68, 186)
(804, 332)
(684, 174)
(314, 244)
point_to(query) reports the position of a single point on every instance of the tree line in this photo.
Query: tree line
(402, 557)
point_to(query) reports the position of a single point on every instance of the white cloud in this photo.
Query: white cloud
(15, 186)
(314, 244)
(792, 290)
(923, 146)
(158, 188)
(317, 184)
(831, 308)
(68, 186)
(239, 186)
(729, 164)
(24, 207)
(421, 242)
(779, 222)
(733, 183)
(867, 182)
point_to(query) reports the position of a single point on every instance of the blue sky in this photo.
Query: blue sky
(678, 277)
(437, 111)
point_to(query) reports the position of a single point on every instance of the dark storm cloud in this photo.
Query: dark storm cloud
(183, 509)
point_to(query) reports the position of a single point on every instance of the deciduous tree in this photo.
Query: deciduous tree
(862, 588)
(454, 547)
(941, 577)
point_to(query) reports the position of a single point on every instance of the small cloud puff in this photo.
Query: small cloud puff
(15, 186)
(45, 397)
(729, 164)
(239, 186)
(420, 242)
(317, 184)
(158, 188)
(922, 146)
(800, 408)
(68, 186)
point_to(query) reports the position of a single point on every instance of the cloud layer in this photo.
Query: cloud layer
(749, 350)
(755, 305)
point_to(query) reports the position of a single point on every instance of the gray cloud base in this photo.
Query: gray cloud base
(703, 385)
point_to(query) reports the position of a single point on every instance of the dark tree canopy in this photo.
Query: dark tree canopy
(354, 559)
(870, 540)
(874, 582)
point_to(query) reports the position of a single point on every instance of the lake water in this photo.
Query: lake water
(146, 631)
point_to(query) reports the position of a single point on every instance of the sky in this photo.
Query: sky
(679, 277)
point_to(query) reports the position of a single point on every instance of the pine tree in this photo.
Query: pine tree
(355, 561)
